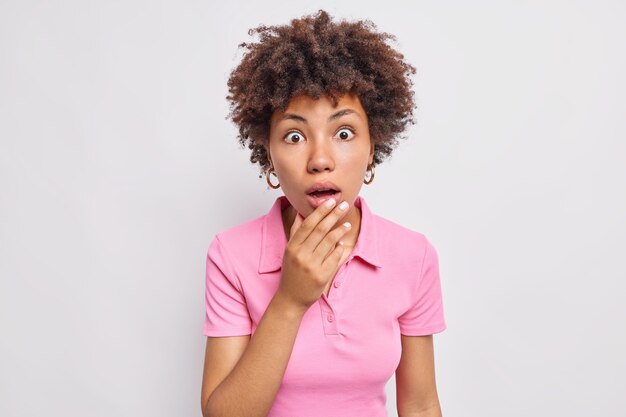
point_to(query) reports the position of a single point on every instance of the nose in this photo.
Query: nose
(321, 156)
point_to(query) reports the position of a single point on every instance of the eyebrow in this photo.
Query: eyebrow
(336, 115)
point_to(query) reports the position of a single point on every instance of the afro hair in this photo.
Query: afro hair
(315, 56)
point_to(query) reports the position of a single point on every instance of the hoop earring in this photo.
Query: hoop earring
(267, 178)
(370, 168)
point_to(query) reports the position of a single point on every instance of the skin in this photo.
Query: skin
(306, 146)
(242, 374)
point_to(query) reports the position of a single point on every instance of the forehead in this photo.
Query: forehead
(307, 106)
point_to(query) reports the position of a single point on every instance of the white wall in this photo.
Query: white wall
(117, 167)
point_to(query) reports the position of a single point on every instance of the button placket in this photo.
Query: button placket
(339, 278)
(329, 322)
(329, 315)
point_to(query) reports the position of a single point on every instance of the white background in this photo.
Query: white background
(117, 168)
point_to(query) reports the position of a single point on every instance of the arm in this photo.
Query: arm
(416, 389)
(220, 357)
(246, 384)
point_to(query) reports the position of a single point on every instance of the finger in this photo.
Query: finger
(313, 219)
(330, 241)
(323, 227)
(334, 258)
(297, 222)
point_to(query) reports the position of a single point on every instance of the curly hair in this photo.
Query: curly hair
(316, 56)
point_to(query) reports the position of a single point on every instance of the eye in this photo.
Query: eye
(295, 136)
(345, 134)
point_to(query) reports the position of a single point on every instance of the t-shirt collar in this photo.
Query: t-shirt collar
(274, 241)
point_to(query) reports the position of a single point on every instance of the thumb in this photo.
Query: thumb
(296, 224)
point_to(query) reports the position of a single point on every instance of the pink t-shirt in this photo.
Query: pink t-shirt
(348, 345)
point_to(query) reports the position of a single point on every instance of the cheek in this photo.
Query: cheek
(287, 167)
(357, 163)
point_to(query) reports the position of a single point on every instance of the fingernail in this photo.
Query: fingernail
(347, 225)
(330, 202)
(343, 205)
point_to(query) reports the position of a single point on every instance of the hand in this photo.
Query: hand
(312, 255)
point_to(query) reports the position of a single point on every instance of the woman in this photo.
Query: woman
(311, 307)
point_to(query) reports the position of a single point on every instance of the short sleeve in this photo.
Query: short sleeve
(225, 305)
(426, 315)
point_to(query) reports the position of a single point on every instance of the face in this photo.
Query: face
(312, 141)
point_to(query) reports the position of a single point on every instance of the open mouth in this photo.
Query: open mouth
(318, 197)
(323, 193)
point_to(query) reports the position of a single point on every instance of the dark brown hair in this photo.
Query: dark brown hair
(316, 56)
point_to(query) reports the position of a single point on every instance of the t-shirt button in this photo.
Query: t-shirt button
(330, 318)
(337, 284)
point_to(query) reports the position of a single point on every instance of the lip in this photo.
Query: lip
(317, 201)
(322, 185)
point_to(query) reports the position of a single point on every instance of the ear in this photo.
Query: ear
(371, 157)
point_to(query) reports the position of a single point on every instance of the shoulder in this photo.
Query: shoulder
(403, 248)
(399, 239)
(243, 236)
(236, 249)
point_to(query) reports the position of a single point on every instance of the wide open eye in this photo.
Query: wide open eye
(345, 134)
(295, 136)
